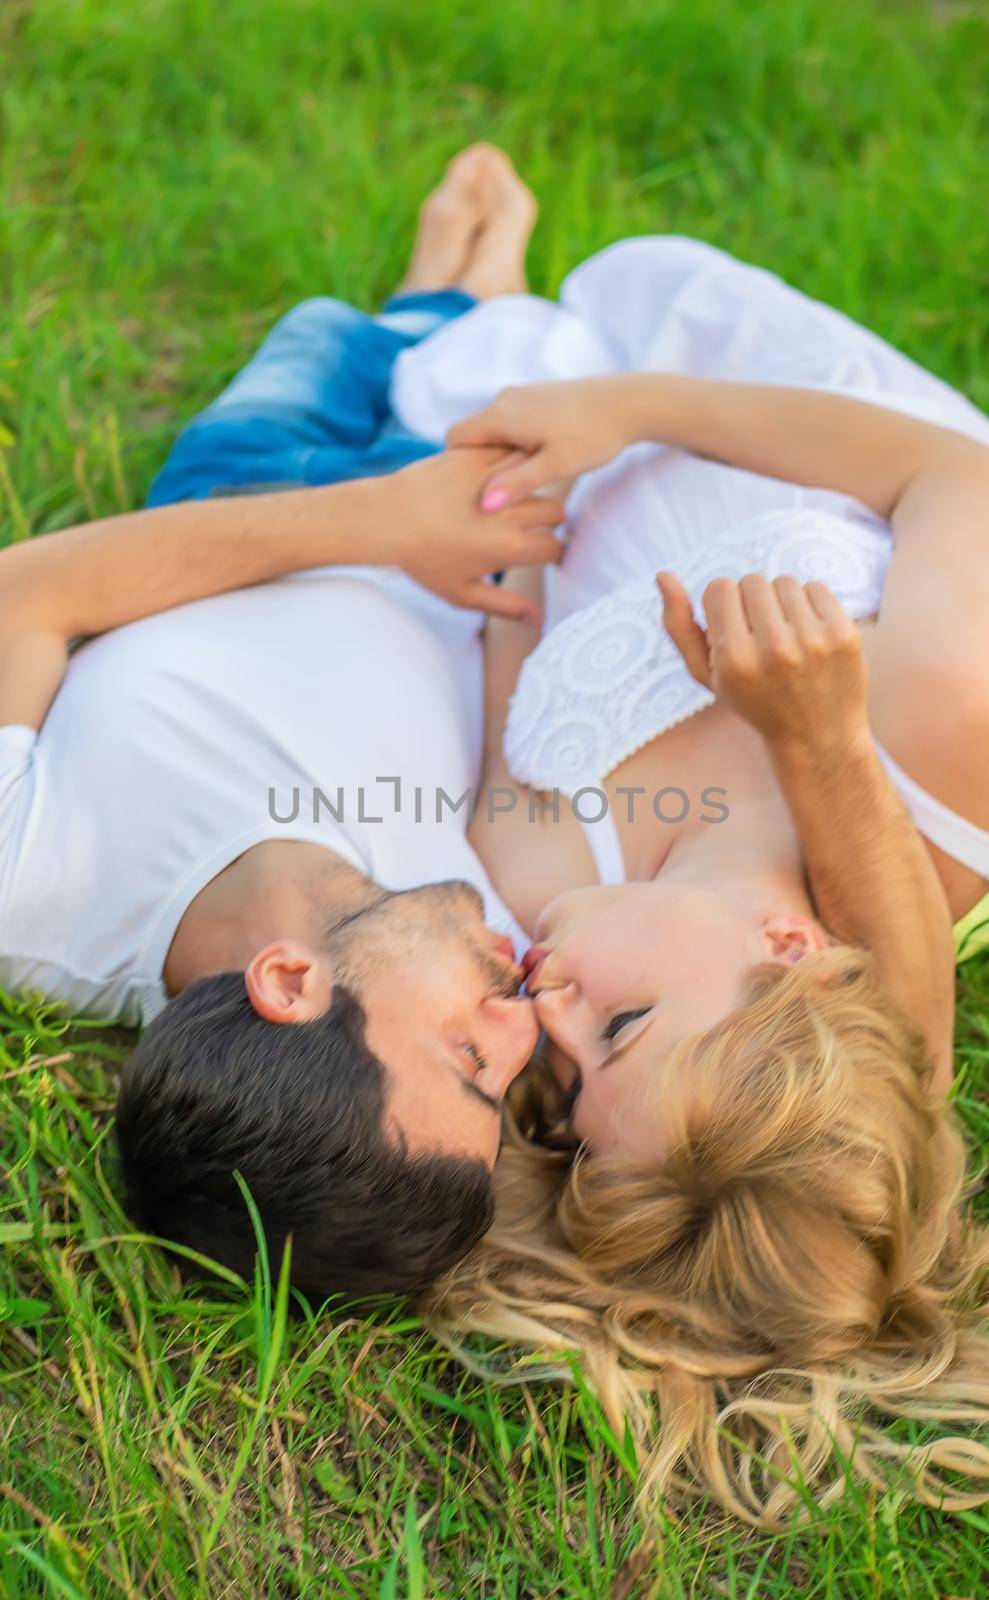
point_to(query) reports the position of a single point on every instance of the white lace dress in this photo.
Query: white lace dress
(605, 677)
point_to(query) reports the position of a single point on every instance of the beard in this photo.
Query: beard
(380, 934)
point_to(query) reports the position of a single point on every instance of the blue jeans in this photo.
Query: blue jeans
(311, 406)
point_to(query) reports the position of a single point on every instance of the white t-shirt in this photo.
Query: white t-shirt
(177, 742)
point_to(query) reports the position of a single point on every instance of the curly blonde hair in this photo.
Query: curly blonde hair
(794, 1273)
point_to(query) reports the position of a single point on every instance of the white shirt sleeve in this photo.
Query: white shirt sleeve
(17, 746)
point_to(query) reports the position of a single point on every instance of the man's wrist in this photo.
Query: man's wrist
(818, 748)
(356, 522)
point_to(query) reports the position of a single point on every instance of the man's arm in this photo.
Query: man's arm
(872, 877)
(790, 661)
(89, 579)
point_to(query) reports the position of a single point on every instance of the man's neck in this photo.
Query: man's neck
(280, 889)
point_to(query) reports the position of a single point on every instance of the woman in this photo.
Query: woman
(756, 1176)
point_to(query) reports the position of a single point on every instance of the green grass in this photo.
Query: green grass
(175, 172)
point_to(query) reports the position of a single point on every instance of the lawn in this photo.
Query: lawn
(174, 174)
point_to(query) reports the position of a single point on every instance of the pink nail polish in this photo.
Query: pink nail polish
(494, 499)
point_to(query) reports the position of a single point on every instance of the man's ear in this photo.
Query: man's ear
(289, 982)
(788, 939)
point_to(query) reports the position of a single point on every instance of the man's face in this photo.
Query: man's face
(440, 994)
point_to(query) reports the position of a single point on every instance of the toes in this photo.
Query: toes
(504, 190)
(482, 156)
(489, 169)
(453, 203)
(482, 185)
(443, 206)
(449, 217)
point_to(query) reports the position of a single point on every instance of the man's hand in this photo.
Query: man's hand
(784, 656)
(436, 531)
(559, 430)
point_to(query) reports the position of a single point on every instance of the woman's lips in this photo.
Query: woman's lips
(531, 964)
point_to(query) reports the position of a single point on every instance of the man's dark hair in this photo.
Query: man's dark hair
(296, 1109)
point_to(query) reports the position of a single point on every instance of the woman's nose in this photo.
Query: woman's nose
(562, 1013)
(507, 1038)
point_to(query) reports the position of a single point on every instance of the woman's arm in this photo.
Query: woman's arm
(531, 845)
(805, 436)
(506, 646)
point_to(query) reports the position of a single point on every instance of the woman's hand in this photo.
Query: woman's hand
(430, 524)
(561, 429)
(785, 656)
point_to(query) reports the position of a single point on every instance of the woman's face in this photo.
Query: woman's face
(620, 976)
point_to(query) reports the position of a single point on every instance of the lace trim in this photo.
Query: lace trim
(607, 679)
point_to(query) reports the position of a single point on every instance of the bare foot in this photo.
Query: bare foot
(449, 222)
(496, 260)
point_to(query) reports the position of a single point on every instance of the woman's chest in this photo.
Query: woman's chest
(703, 773)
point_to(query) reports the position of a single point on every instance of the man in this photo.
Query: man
(247, 792)
(237, 813)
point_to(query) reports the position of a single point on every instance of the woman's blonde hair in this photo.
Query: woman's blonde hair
(762, 1302)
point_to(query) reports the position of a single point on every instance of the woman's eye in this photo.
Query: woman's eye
(620, 1020)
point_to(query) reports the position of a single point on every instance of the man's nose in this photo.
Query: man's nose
(508, 1037)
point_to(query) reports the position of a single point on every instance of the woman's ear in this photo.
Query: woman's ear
(289, 982)
(788, 939)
